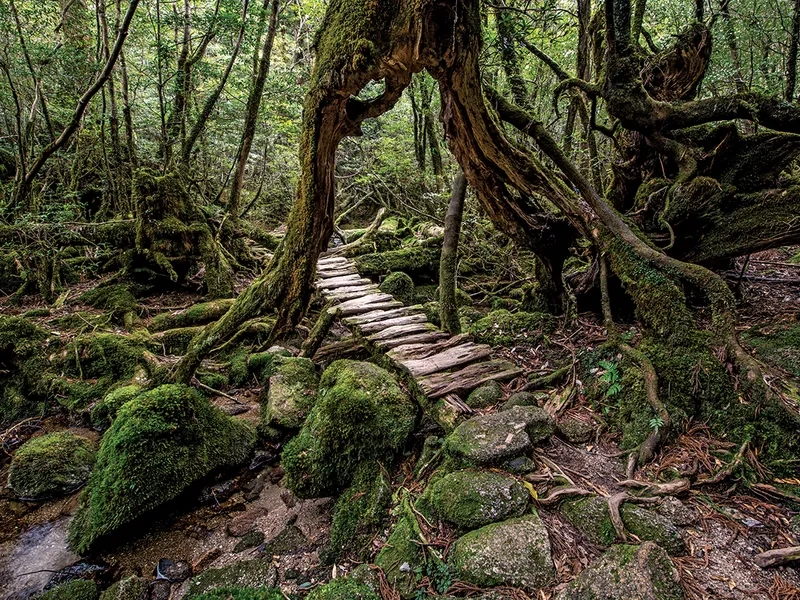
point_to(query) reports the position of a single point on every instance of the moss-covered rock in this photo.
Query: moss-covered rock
(501, 327)
(359, 513)
(415, 260)
(54, 464)
(24, 384)
(131, 588)
(361, 415)
(256, 574)
(514, 552)
(343, 589)
(161, 442)
(399, 285)
(235, 593)
(575, 429)
(471, 499)
(591, 517)
(632, 572)
(174, 341)
(78, 589)
(104, 412)
(485, 395)
(522, 399)
(492, 439)
(292, 392)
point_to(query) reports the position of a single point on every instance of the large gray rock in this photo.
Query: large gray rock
(514, 553)
(492, 439)
(292, 392)
(631, 572)
(592, 517)
(472, 499)
(257, 573)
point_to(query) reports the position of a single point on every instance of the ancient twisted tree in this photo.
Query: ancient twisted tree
(689, 189)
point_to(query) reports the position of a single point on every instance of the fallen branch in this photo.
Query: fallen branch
(774, 558)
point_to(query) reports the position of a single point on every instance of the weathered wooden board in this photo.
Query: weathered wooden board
(405, 320)
(345, 296)
(400, 331)
(417, 350)
(416, 338)
(334, 272)
(326, 261)
(334, 293)
(380, 315)
(362, 308)
(344, 281)
(467, 379)
(447, 359)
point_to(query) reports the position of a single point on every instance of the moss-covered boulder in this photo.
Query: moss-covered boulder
(514, 553)
(522, 399)
(117, 298)
(105, 411)
(256, 574)
(161, 442)
(24, 384)
(591, 517)
(54, 464)
(399, 285)
(131, 588)
(292, 391)
(234, 593)
(343, 589)
(632, 572)
(576, 429)
(492, 439)
(416, 260)
(485, 395)
(358, 513)
(78, 589)
(501, 327)
(361, 415)
(471, 499)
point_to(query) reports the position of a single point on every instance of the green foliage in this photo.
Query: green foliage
(438, 573)
(610, 377)
(53, 464)
(161, 442)
(361, 415)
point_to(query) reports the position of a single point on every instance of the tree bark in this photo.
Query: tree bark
(791, 61)
(448, 306)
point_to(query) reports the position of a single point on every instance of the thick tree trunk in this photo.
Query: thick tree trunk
(448, 306)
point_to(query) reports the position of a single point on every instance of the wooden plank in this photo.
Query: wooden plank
(379, 325)
(366, 299)
(467, 379)
(331, 273)
(344, 297)
(337, 282)
(409, 351)
(429, 337)
(358, 309)
(379, 315)
(337, 293)
(333, 260)
(400, 331)
(448, 359)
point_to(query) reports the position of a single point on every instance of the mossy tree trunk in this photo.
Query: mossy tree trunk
(448, 307)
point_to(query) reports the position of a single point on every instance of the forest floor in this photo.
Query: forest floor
(250, 514)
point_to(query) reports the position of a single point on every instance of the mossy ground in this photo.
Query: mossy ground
(79, 589)
(501, 327)
(343, 589)
(160, 443)
(24, 382)
(231, 593)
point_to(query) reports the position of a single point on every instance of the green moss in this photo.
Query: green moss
(161, 442)
(197, 314)
(256, 574)
(359, 513)
(777, 345)
(174, 341)
(24, 379)
(416, 260)
(343, 589)
(94, 356)
(485, 395)
(361, 415)
(36, 313)
(79, 589)
(233, 593)
(472, 499)
(501, 328)
(54, 464)
(116, 298)
(130, 588)
(402, 548)
(292, 393)
(105, 411)
(399, 285)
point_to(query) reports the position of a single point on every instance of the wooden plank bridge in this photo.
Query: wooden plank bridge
(439, 367)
